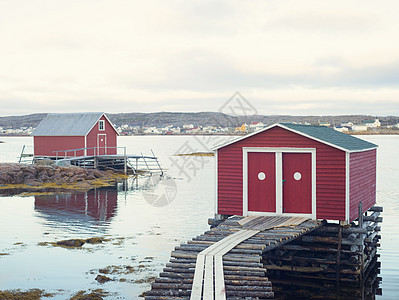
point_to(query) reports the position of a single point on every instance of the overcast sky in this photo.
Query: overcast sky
(285, 57)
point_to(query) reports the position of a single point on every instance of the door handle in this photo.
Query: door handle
(284, 180)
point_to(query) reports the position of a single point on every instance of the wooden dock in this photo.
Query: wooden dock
(132, 164)
(128, 163)
(226, 261)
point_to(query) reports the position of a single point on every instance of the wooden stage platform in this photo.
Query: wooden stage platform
(226, 261)
(133, 163)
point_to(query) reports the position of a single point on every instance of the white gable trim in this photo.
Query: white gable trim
(292, 130)
(95, 123)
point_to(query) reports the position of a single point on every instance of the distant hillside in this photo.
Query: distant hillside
(161, 119)
(20, 121)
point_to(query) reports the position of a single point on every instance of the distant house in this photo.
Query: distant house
(242, 128)
(360, 127)
(152, 130)
(324, 124)
(195, 130)
(256, 126)
(347, 124)
(365, 125)
(341, 128)
(372, 123)
(188, 126)
(92, 133)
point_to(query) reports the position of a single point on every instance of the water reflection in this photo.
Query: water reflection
(96, 206)
(142, 183)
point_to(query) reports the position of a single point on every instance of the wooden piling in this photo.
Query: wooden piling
(332, 253)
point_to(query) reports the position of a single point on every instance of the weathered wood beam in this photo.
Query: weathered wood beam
(377, 208)
(249, 288)
(330, 240)
(334, 229)
(372, 217)
(267, 295)
(315, 249)
(163, 298)
(317, 269)
(168, 293)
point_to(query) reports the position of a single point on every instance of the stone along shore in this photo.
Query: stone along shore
(52, 178)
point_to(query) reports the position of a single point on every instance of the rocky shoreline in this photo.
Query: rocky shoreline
(31, 178)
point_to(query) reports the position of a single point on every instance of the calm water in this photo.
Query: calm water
(144, 223)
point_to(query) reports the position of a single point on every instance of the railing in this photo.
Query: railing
(96, 151)
(24, 155)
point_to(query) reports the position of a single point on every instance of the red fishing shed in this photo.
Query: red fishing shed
(296, 170)
(93, 133)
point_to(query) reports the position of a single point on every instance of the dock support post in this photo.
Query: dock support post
(339, 257)
(220, 217)
(148, 168)
(22, 152)
(361, 277)
(125, 159)
(360, 214)
(156, 159)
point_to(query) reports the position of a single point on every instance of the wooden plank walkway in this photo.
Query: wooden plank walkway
(225, 262)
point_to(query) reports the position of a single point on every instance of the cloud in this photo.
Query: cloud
(307, 57)
(325, 22)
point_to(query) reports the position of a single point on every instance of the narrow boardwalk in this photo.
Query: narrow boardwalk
(225, 262)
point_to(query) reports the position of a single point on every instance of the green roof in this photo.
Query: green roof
(331, 136)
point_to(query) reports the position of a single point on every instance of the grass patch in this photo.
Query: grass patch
(75, 243)
(121, 269)
(197, 154)
(97, 294)
(49, 188)
(32, 294)
(145, 280)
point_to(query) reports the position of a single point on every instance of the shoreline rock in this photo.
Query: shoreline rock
(30, 178)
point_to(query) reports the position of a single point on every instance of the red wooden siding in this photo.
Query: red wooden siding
(262, 192)
(45, 145)
(111, 136)
(330, 172)
(362, 174)
(297, 194)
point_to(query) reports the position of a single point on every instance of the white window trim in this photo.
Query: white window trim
(279, 185)
(99, 126)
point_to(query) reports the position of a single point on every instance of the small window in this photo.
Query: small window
(101, 125)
